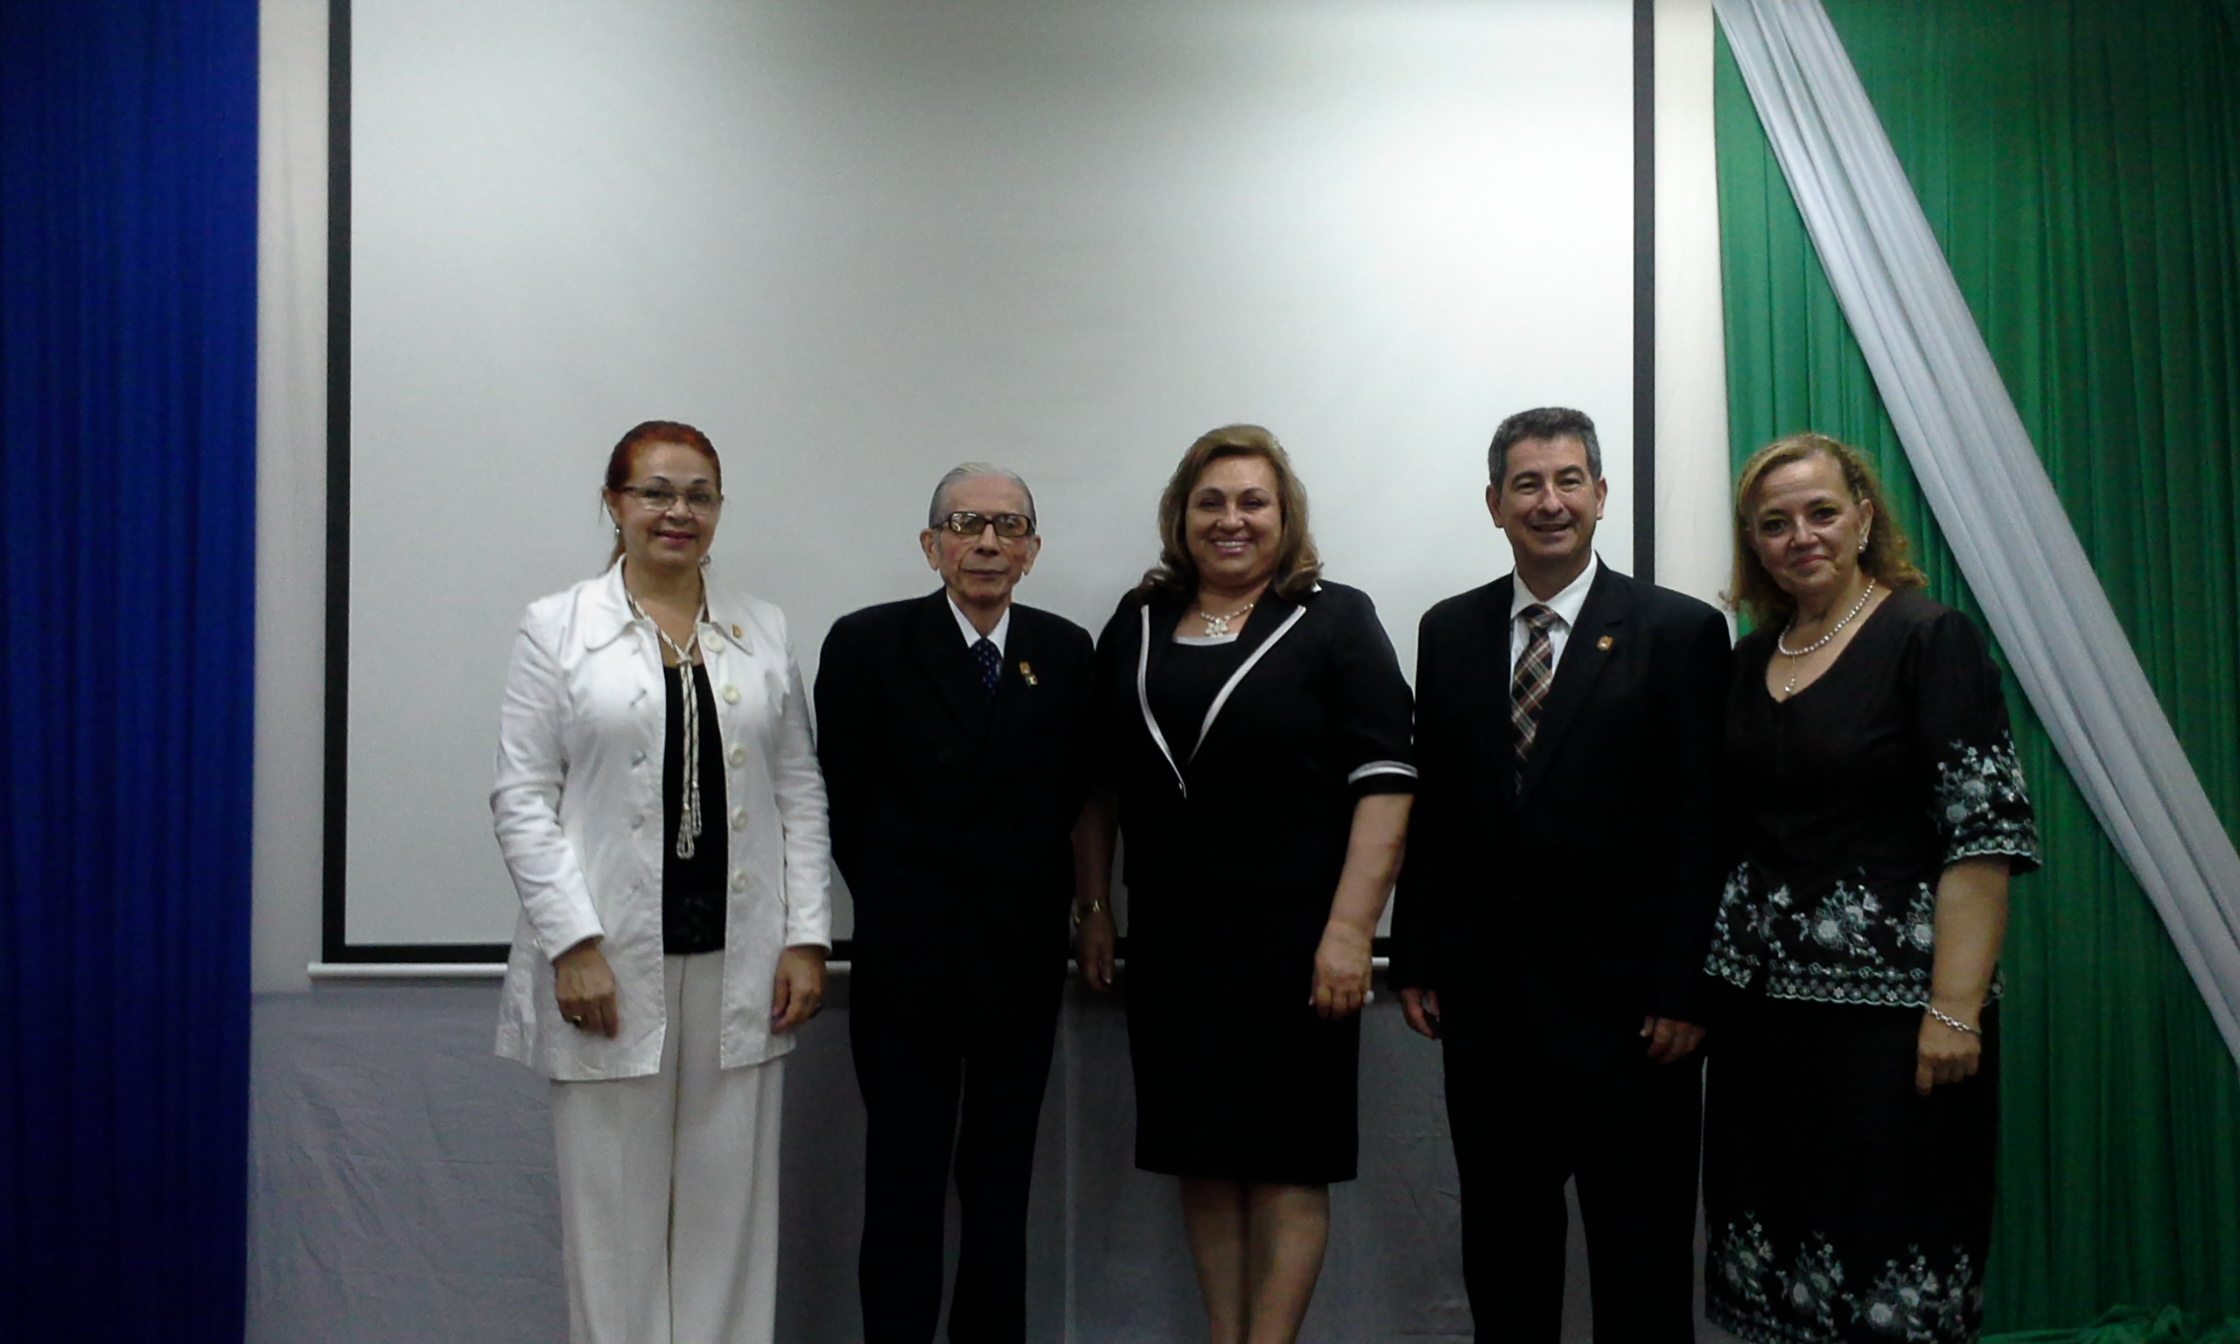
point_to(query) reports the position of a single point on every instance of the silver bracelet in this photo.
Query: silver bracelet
(1953, 1022)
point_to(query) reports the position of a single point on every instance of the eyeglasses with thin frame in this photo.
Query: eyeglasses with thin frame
(1009, 526)
(661, 499)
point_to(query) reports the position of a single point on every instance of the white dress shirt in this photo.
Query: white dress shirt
(1565, 605)
(972, 632)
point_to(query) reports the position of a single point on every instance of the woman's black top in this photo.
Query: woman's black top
(1194, 674)
(1855, 794)
(1321, 718)
(693, 892)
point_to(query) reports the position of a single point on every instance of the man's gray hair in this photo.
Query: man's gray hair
(1546, 422)
(939, 509)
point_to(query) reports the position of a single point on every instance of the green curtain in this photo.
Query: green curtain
(2134, 1325)
(2080, 164)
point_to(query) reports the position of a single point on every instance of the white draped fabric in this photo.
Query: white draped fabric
(1986, 485)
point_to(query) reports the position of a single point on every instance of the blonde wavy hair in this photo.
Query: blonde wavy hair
(1886, 557)
(1298, 566)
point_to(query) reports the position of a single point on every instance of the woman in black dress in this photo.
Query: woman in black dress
(1257, 732)
(1853, 1093)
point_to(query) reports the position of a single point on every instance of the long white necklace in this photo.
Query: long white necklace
(688, 810)
(1217, 627)
(1781, 641)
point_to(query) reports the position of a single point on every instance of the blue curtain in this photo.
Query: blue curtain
(128, 141)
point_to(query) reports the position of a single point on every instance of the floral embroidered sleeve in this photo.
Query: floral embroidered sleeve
(1979, 801)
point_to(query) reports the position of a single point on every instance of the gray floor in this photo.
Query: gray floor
(401, 1188)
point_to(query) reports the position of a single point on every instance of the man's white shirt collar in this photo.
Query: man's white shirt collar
(1565, 604)
(972, 632)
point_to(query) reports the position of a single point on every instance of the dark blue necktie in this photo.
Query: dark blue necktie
(990, 659)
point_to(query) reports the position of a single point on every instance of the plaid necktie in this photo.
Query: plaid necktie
(991, 663)
(1528, 686)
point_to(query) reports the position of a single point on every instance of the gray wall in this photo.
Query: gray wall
(402, 1188)
(402, 1185)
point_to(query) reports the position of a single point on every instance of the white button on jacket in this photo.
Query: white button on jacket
(580, 744)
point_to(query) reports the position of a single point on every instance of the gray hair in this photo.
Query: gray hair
(967, 471)
(1546, 422)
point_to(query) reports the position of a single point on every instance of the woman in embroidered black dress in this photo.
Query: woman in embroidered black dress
(1853, 1085)
(1257, 731)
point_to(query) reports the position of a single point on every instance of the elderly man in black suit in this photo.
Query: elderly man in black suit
(1563, 871)
(950, 730)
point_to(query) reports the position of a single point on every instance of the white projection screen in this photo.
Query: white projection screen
(859, 241)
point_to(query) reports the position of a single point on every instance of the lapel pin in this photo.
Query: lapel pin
(1026, 673)
(737, 633)
(1604, 643)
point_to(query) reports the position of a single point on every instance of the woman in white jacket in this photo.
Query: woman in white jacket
(660, 809)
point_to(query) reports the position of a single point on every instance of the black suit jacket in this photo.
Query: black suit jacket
(1585, 902)
(952, 812)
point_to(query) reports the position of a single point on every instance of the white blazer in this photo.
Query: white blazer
(577, 808)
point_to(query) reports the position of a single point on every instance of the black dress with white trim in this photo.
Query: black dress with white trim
(1237, 766)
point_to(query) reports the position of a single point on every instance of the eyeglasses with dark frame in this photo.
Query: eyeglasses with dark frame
(1009, 526)
(662, 498)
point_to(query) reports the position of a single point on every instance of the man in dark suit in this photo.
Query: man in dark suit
(950, 730)
(1564, 866)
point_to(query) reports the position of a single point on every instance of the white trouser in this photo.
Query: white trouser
(669, 1186)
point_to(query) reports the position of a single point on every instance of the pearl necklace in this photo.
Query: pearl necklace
(689, 823)
(1781, 643)
(1217, 627)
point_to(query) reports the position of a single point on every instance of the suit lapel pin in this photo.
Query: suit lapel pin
(1026, 673)
(1604, 643)
(737, 633)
